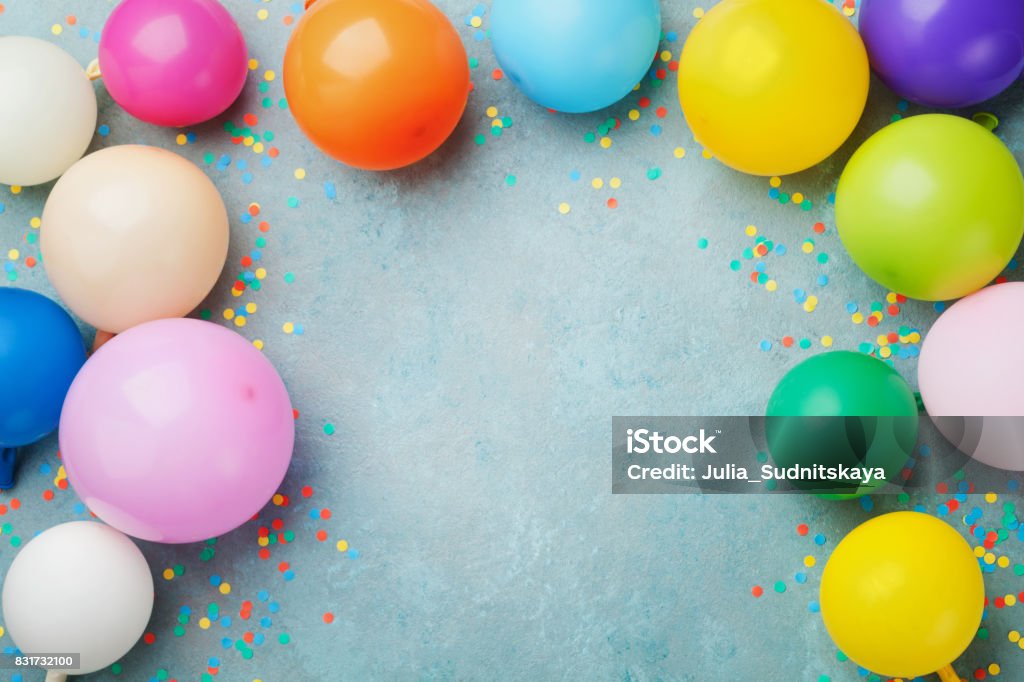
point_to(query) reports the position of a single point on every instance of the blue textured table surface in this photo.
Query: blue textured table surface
(456, 337)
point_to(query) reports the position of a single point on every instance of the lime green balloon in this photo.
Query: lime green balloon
(931, 207)
(842, 408)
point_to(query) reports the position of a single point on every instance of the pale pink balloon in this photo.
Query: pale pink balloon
(176, 431)
(972, 365)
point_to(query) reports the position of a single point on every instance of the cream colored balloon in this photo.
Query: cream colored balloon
(132, 234)
(47, 111)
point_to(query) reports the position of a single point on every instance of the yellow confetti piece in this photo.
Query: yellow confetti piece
(979, 551)
(204, 623)
(666, 55)
(229, 314)
(771, 285)
(15, 189)
(1014, 636)
(698, 12)
(168, 574)
(706, 154)
(857, 318)
(679, 152)
(615, 183)
(564, 208)
(797, 198)
(606, 142)
(1009, 599)
(634, 114)
(994, 669)
(250, 308)
(56, 29)
(261, 273)
(476, 22)
(300, 173)
(35, 223)
(263, 542)
(492, 111)
(751, 230)
(240, 321)
(253, 64)
(886, 353)
(288, 327)
(826, 341)
(597, 183)
(225, 588)
(775, 182)
(181, 139)
(342, 546)
(269, 75)
(990, 558)
(13, 254)
(258, 343)
(809, 561)
(991, 498)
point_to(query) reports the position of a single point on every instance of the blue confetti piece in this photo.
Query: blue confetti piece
(766, 345)
(819, 539)
(103, 130)
(780, 250)
(329, 190)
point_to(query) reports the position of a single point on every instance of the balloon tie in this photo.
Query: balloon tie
(308, 3)
(93, 70)
(8, 463)
(947, 674)
(986, 120)
(56, 676)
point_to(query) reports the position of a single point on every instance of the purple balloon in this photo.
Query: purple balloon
(945, 53)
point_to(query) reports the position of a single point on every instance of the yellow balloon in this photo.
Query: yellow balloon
(902, 595)
(772, 87)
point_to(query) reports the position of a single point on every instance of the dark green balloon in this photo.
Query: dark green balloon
(844, 408)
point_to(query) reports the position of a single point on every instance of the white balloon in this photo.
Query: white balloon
(47, 111)
(80, 587)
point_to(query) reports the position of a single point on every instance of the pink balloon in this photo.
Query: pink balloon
(173, 62)
(971, 365)
(177, 430)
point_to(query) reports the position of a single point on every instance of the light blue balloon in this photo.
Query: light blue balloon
(575, 56)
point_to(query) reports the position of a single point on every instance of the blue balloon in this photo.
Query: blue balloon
(41, 351)
(575, 56)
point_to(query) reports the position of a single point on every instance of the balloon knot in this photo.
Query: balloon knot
(93, 70)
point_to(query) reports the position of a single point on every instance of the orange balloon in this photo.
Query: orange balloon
(376, 84)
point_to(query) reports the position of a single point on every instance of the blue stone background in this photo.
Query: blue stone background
(468, 343)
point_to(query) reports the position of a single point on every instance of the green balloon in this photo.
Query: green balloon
(842, 408)
(931, 207)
